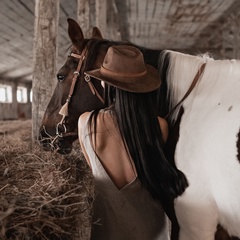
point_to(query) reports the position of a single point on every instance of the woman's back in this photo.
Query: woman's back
(109, 146)
(123, 209)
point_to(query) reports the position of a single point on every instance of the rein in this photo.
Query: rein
(193, 84)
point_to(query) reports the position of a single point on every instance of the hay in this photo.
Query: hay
(42, 195)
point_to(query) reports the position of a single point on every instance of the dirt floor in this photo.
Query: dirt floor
(43, 195)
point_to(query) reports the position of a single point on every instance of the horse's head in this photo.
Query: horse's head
(73, 95)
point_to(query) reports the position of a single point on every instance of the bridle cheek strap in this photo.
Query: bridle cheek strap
(64, 109)
(94, 91)
(87, 78)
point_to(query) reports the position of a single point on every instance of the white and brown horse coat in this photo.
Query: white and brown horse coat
(207, 150)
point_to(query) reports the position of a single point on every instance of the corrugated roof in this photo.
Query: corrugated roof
(157, 24)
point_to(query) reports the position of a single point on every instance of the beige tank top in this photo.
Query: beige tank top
(126, 214)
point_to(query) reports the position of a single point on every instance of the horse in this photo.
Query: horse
(208, 144)
(75, 94)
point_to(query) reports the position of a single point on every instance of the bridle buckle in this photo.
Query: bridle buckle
(87, 78)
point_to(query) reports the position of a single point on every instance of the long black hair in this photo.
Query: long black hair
(136, 115)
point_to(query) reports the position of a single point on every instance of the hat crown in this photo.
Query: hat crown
(124, 60)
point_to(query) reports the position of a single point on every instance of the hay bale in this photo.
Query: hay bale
(42, 195)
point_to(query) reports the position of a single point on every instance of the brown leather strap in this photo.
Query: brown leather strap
(94, 91)
(194, 82)
(88, 80)
(64, 109)
(76, 73)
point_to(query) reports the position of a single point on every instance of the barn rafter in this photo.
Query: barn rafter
(157, 24)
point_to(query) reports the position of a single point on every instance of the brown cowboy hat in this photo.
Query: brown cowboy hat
(124, 68)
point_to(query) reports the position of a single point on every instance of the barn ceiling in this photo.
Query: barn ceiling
(157, 24)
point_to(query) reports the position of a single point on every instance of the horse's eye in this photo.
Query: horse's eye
(60, 77)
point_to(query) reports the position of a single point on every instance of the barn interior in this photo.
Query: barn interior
(53, 185)
(189, 26)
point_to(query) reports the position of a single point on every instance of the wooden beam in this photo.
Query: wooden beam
(44, 58)
(122, 14)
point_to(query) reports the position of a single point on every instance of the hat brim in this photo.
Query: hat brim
(146, 83)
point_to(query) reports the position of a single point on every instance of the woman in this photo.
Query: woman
(123, 145)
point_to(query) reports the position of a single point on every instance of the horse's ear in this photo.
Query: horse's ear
(75, 33)
(96, 33)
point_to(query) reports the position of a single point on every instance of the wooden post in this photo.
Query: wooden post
(101, 16)
(84, 14)
(14, 100)
(123, 19)
(44, 58)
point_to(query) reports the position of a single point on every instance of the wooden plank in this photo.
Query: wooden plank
(122, 18)
(83, 16)
(101, 16)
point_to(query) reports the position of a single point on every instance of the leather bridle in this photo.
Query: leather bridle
(61, 129)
